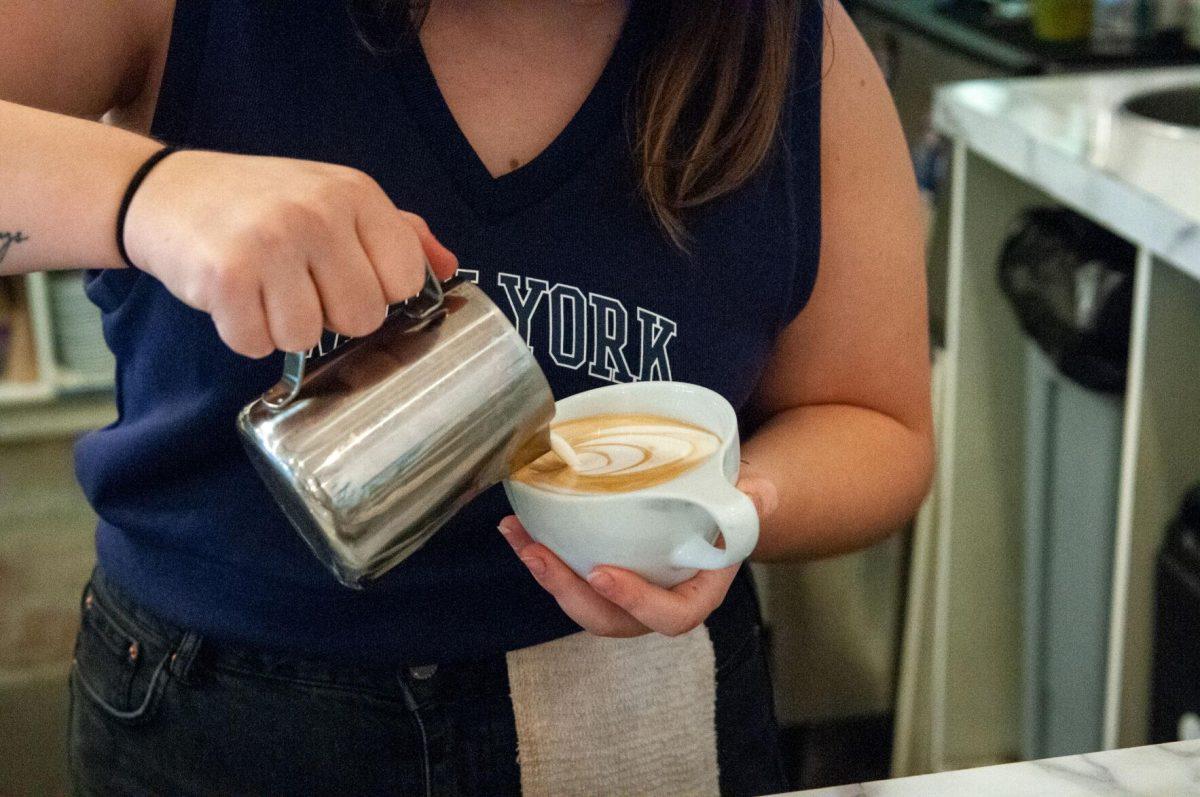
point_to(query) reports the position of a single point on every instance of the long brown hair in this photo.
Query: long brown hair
(709, 101)
(709, 97)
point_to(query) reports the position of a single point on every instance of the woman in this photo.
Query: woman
(647, 189)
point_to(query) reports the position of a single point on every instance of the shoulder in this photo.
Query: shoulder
(856, 100)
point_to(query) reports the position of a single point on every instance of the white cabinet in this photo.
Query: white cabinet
(969, 693)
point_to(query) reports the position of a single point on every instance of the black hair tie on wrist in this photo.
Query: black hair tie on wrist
(134, 184)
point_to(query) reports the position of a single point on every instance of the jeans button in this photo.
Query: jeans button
(424, 672)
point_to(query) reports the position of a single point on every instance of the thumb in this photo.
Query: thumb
(443, 262)
(762, 491)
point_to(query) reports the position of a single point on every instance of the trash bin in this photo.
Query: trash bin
(1070, 283)
(1175, 685)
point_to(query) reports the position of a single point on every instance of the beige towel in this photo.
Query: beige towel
(600, 716)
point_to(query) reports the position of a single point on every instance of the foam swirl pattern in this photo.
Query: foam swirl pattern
(621, 452)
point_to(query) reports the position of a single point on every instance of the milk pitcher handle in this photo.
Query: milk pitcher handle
(418, 308)
(735, 516)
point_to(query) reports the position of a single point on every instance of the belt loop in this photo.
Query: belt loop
(184, 656)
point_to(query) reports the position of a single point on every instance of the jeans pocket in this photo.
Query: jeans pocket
(120, 668)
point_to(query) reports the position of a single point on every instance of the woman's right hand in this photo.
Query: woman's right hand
(277, 250)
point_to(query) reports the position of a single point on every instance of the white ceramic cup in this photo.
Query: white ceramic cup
(665, 533)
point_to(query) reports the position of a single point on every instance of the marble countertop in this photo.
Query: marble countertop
(1067, 136)
(1158, 770)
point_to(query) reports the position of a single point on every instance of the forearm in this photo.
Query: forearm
(61, 181)
(846, 477)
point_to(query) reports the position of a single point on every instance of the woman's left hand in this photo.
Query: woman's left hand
(616, 602)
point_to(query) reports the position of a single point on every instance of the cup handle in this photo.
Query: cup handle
(737, 519)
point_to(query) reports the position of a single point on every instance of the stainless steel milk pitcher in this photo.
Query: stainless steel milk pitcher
(370, 448)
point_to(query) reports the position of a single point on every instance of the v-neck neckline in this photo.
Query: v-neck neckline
(493, 197)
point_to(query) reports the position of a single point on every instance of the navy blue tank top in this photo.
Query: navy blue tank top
(564, 245)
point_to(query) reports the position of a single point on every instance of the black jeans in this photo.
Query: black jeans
(156, 710)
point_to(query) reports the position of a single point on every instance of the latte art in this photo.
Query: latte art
(620, 452)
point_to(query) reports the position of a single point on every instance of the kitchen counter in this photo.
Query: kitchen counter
(1066, 136)
(966, 26)
(1168, 769)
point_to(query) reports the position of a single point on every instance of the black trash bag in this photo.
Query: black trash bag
(1070, 282)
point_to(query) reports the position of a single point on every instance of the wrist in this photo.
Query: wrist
(131, 191)
(157, 207)
(129, 151)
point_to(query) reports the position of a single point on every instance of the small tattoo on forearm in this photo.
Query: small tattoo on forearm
(7, 239)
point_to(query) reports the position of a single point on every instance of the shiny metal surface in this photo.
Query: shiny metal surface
(390, 435)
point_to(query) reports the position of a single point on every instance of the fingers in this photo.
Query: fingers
(514, 533)
(274, 248)
(670, 612)
(240, 317)
(394, 251)
(441, 259)
(398, 244)
(353, 273)
(580, 602)
(293, 309)
(617, 602)
(352, 297)
(243, 327)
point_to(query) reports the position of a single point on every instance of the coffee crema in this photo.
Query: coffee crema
(621, 452)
